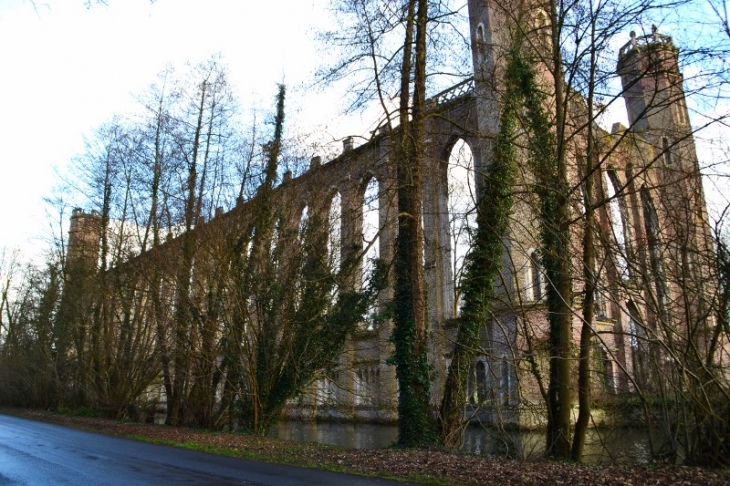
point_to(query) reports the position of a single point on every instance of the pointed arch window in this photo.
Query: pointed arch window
(481, 42)
(334, 241)
(620, 229)
(535, 287)
(303, 222)
(667, 155)
(481, 381)
(541, 24)
(276, 231)
(656, 251)
(506, 388)
(371, 225)
(462, 210)
(371, 240)
(636, 328)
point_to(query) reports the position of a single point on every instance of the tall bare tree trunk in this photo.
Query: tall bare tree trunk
(410, 335)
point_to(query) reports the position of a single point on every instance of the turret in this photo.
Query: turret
(652, 83)
(84, 239)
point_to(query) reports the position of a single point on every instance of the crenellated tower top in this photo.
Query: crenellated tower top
(652, 84)
(84, 238)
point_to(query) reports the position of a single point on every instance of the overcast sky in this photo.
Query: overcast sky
(66, 69)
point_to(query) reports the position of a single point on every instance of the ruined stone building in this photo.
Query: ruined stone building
(654, 238)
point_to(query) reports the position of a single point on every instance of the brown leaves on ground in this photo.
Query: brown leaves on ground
(434, 467)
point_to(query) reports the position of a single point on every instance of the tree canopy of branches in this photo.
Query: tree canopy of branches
(159, 297)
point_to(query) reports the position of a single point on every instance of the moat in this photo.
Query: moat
(604, 446)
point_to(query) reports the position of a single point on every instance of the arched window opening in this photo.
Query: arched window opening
(277, 244)
(636, 105)
(358, 388)
(462, 211)
(371, 224)
(635, 324)
(608, 375)
(334, 241)
(303, 223)
(679, 109)
(481, 43)
(249, 244)
(537, 287)
(472, 394)
(656, 259)
(667, 151)
(618, 217)
(534, 277)
(601, 304)
(481, 381)
(371, 238)
(325, 391)
(276, 233)
(506, 382)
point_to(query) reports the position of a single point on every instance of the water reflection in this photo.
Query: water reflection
(621, 446)
(354, 436)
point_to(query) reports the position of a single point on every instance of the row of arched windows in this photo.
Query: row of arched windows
(462, 222)
(370, 233)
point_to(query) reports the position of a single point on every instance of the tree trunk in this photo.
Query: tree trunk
(415, 423)
(483, 263)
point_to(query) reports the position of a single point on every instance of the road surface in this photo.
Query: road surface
(33, 453)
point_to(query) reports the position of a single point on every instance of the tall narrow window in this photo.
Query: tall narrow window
(635, 325)
(542, 26)
(462, 210)
(371, 239)
(666, 151)
(619, 228)
(472, 395)
(481, 44)
(303, 222)
(608, 377)
(371, 225)
(534, 277)
(506, 382)
(656, 252)
(481, 381)
(679, 109)
(537, 289)
(334, 242)
(275, 237)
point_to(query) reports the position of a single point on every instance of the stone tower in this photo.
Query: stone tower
(670, 227)
(649, 70)
(83, 239)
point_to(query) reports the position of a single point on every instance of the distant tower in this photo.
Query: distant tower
(80, 269)
(83, 240)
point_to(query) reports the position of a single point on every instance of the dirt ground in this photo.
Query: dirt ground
(424, 466)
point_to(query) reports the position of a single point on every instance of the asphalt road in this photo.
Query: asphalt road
(36, 453)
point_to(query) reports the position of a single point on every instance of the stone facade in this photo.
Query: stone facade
(654, 238)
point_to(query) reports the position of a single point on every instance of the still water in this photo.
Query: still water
(606, 446)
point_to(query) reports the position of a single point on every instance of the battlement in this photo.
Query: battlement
(643, 57)
(637, 43)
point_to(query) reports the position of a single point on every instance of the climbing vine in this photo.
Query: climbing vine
(484, 260)
(522, 107)
(550, 185)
